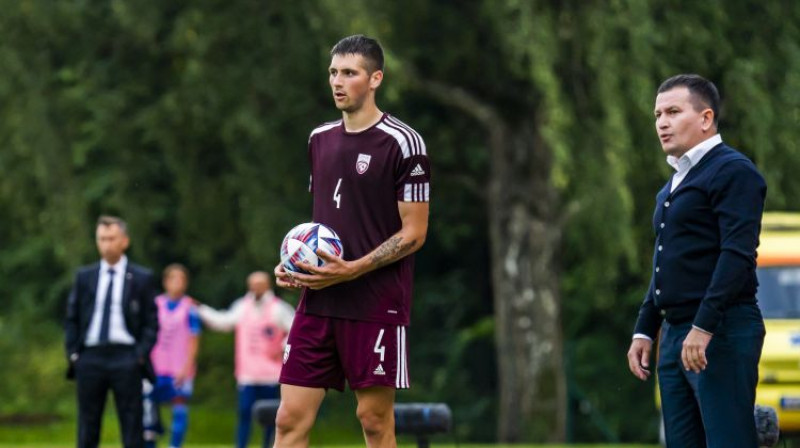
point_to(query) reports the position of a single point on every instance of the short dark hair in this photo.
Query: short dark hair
(703, 92)
(107, 220)
(364, 46)
(176, 267)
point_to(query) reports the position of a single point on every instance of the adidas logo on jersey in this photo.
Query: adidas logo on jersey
(379, 370)
(417, 171)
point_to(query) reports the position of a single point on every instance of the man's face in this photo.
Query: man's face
(112, 242)
(350, 81)
(258, 284)
(175, 283)
(680, 127)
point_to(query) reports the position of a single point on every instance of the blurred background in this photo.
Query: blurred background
(190, 120)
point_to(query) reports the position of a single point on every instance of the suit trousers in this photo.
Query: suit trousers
(98, 370)
(713, 408)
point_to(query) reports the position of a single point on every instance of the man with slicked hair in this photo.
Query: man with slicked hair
(111, 327)
(370, 182)
(702, 293)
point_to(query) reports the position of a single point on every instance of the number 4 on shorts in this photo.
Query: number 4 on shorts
(380, 349)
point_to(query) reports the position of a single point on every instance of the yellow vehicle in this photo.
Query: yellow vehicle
(779, 299)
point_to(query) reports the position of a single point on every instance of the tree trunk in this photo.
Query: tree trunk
(524, 235)
(525, 232)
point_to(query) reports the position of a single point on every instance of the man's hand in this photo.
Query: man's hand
(693, 354)
(639, 358)
(284, 278)
(335, 270)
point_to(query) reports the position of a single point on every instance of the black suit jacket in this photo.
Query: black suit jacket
(138, 305)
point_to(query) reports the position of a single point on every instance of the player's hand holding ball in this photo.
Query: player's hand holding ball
(306, 249)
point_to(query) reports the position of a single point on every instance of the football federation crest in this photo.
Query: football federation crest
(362, 164)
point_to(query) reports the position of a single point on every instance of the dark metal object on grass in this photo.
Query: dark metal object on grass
(422, 420)
(266, 410)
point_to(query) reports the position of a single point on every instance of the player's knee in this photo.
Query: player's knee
(375, 423)
(288, 419)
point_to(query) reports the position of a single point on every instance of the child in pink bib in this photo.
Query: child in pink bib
(173, 357)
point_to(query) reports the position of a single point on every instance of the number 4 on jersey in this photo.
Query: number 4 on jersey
(337, 197)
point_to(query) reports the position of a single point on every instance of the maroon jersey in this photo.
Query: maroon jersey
(357, 180)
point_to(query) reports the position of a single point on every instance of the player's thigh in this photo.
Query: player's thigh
(373, 354)
(299, 404)
(311, 357)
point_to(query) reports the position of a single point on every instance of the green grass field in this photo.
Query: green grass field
(210, 428)
(207, 427)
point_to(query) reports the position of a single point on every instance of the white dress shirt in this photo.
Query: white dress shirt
(117, 331)
(682, 166)
(691, 158)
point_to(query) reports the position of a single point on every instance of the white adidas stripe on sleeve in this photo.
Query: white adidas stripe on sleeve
(417, 192)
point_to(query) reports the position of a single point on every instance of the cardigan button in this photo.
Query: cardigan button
(666, 204)
(663, 312)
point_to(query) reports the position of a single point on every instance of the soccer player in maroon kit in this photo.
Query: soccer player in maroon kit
(370, 179)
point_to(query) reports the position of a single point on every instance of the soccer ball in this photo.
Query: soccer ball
(303, 240)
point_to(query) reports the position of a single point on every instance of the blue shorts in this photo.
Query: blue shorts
(166, 390)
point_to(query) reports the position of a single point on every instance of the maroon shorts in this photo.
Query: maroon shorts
(324, 351)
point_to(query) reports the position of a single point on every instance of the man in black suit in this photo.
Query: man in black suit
(702, 293)
(111, 326)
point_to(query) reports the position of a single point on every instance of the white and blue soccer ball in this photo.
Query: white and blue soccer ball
(303, 240)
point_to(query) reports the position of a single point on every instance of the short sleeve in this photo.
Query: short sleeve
(195, 325)
(413, 180)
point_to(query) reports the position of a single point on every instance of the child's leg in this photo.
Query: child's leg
(180, 413)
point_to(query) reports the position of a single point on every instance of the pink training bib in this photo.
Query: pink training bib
(259, 343)
(172, 346)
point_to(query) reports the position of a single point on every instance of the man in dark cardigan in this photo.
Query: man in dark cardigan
(703, 285)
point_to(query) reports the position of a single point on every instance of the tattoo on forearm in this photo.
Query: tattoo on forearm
(391, 250)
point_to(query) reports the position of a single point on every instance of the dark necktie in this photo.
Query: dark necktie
(104, 324)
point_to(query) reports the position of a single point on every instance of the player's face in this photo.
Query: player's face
(351, 83)
(680, 127)
(175, 283)
(112, 242)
